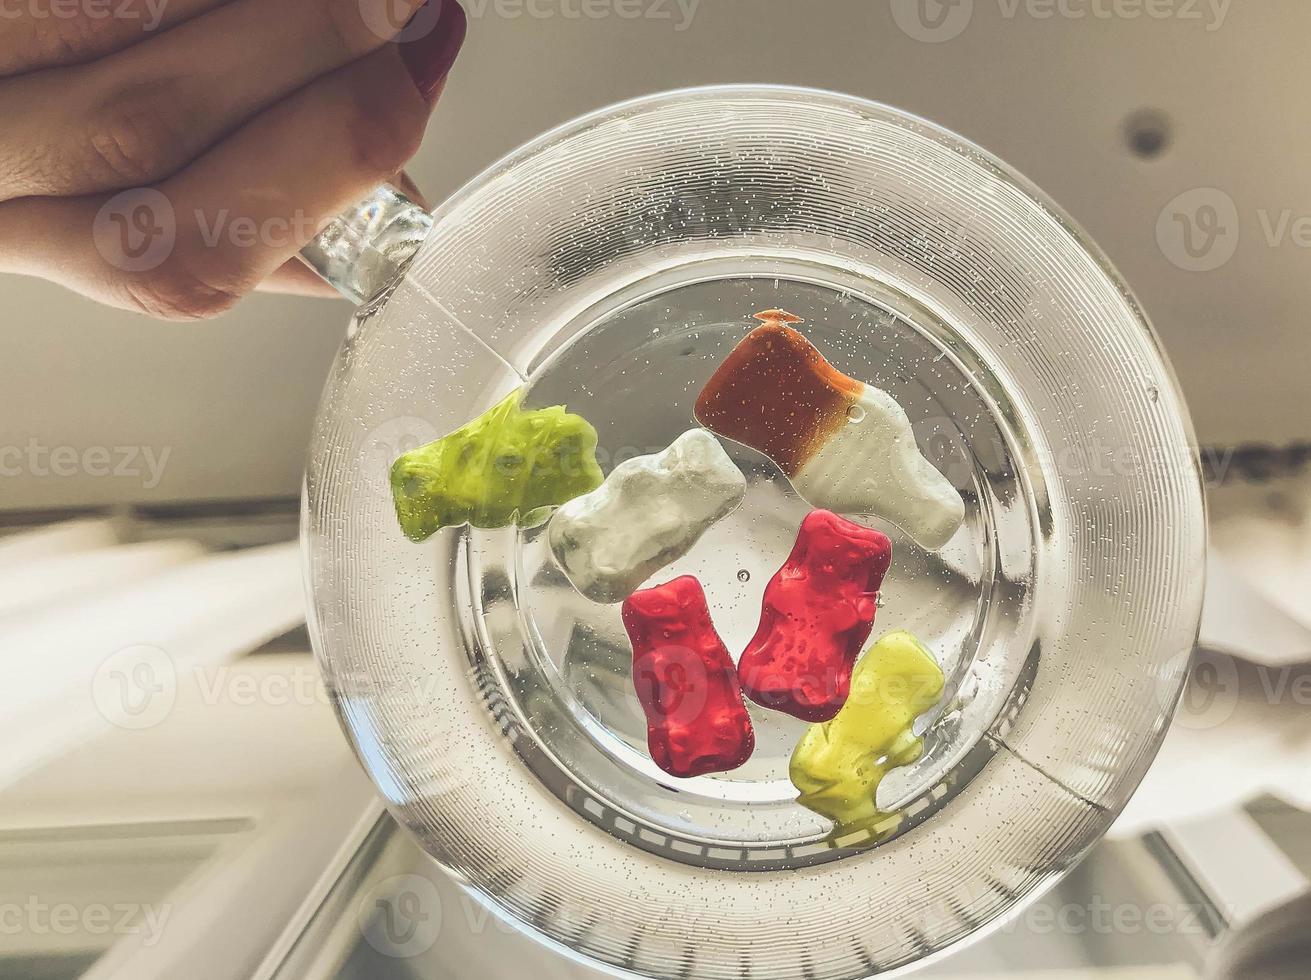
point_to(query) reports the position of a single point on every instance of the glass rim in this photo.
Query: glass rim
(449, 228)
(872, 108)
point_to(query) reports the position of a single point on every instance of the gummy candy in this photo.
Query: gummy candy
(649, 512)
(837, 766)
(817, 611)
(846, 446)
(505, 467)
(696, 720)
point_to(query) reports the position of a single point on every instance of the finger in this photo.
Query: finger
(295, 278)
(142, 115)
(38, 34)
(191, 247)
(406, 185)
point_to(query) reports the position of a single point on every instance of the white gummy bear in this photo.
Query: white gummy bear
(873, 466)
(649, 512)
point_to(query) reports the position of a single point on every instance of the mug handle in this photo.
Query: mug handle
(367, 248)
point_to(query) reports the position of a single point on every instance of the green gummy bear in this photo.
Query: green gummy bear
(505, 467)
(838, 765)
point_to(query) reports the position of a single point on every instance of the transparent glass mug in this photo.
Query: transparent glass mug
(610, 265)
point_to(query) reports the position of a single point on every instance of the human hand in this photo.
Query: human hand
(169, 156)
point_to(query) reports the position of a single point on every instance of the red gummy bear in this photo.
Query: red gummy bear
(696, 720)
(817, 613)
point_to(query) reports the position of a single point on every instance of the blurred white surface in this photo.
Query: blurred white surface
(1244, 726)
(50, 541)
(70, 578)
(114, 653)
(172, 824)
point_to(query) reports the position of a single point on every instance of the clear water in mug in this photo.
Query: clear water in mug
(558, 666)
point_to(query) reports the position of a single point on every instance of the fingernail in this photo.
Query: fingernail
(429, 57)
(411, 190)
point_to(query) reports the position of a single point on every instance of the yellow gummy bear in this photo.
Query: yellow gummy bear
(838, 765)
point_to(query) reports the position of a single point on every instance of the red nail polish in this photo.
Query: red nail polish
(429, 55)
